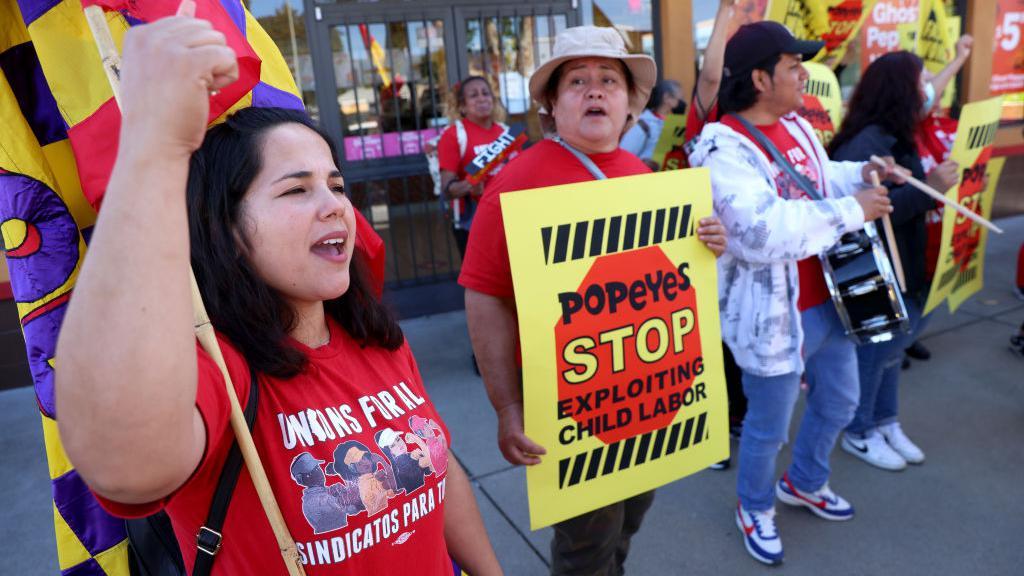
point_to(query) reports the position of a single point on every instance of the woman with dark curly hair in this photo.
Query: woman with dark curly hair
(885, 110)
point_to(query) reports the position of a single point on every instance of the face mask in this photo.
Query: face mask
(929, 98)
(679, 108)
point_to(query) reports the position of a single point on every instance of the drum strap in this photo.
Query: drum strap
(780, 161)
(583, 158)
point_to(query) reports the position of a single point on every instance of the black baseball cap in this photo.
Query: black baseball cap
(754, 43)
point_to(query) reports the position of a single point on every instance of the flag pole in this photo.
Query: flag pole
(207, 339)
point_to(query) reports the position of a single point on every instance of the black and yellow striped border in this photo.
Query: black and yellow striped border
(590, 238)
(981, 136)
(635, 451)
(819, 88)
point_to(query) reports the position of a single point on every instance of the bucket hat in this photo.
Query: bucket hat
(593, 41)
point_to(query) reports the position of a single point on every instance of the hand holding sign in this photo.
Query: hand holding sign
(616, 295)
(712, 233)
(515, 445)
(495, 154)
(944, 176)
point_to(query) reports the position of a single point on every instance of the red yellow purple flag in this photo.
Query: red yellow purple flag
(58, 143)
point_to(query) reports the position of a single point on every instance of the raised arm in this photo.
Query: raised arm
(946, 75)
(710, 78)
(126, 378)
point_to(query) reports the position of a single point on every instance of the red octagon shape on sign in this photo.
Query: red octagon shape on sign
(648, 389)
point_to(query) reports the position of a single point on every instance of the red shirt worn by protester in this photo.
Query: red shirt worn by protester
(477, 139)
(486, 266)
(934, 138)
(352, 506)
(694, 123)
(813, 290)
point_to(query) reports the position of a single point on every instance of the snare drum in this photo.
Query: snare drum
(863, 287)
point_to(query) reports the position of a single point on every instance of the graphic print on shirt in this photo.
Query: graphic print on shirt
(787, 187)
(437, 445)
(325, 509)
(363, 475)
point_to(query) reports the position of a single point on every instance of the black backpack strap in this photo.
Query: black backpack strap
(209, 538)
(782, 163)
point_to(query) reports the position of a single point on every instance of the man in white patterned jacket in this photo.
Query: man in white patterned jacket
(777, 315)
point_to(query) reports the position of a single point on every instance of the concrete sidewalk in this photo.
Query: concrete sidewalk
(959, 513)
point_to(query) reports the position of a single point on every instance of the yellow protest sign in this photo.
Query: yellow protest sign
(934, 44)
(908, 40)
(969, 281)
(961, 250)
(835, 22)
(823, 102)
(617, 299)
(908, 36)
(668, 152)
(953, 33)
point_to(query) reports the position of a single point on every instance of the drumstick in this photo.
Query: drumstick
(939, 196)
(890, 239)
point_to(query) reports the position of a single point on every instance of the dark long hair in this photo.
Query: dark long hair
(241, 305)
(887, 95)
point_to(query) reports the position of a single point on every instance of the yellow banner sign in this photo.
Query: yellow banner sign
(617, 299)
(668, 152)
(934, 44)
(958, 273)
(969, 279)
(835, 22)
(823, 102)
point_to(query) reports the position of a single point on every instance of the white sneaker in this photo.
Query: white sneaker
(759, 535)
(893, 434)
(874, 450)
(823, 502)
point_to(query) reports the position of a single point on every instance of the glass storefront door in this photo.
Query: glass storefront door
(506, 46)
(383, 71)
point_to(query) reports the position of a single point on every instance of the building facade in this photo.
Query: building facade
(376, 74)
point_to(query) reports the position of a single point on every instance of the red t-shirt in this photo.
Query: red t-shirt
(934, 138)
(477, 139)
(486, 267)
(352, 506)
(694, 123)
(813, 290)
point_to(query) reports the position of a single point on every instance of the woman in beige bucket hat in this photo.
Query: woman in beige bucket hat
(591, 90)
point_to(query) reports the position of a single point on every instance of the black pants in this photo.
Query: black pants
(596, 543)
(461, 240)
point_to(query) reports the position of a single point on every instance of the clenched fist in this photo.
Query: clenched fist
(169, 68)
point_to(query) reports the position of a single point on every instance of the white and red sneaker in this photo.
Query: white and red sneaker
(823, 502)
(759, 534)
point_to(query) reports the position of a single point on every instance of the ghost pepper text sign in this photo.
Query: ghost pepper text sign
(618, 316)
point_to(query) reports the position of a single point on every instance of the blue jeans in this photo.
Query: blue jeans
(879, 367)
(831, 370)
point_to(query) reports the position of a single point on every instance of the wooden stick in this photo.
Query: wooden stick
(890, 238)
(939, 196)
(208, 340)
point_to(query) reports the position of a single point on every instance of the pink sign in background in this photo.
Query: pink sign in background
(389, 144)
